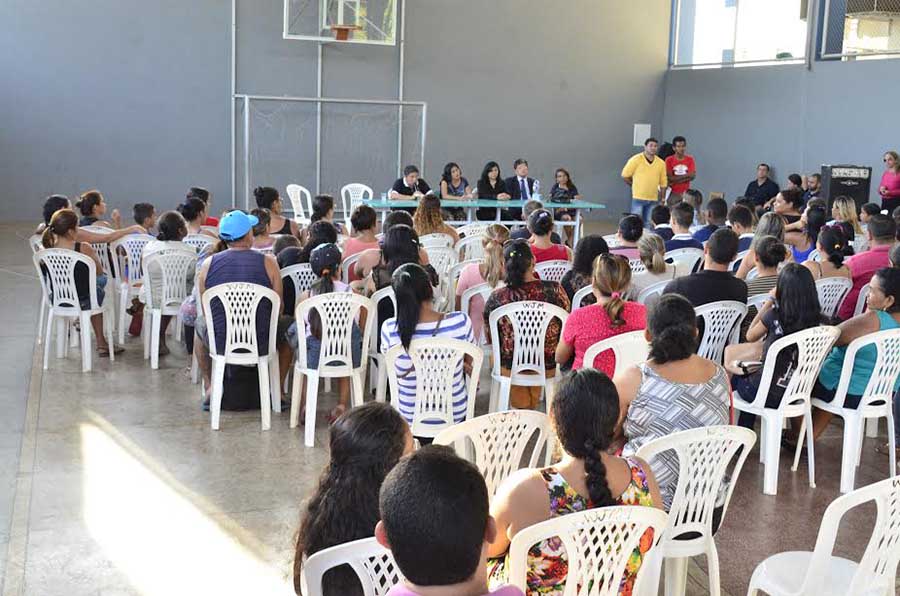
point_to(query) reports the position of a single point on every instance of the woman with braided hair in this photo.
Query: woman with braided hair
(584, 415)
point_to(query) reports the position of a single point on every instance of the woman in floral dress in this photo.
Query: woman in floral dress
(584, 414)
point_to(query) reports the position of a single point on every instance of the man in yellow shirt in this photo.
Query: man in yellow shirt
(646, 175)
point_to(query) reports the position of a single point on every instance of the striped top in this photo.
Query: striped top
(454, 325)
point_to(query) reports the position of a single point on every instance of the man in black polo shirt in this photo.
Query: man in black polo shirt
(410, 186)
(714, 282)
(763, 189)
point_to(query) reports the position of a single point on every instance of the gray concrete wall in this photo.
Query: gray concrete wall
(788, 116)
(132, 98)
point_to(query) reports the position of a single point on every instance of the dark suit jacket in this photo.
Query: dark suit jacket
(512, 187)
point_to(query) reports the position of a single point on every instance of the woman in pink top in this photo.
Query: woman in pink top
(631, 228)
(540, 224)
(364, 222)
(889, 189)
(489, 272)
(610, 316)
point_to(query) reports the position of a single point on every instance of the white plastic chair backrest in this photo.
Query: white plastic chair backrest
(436, 241)
(654, 289)
(470, 247)
(877, 568)
(832, 291)
(721, 323)
(374, 566)
(347, 265)
(757, 302)
(685, 259)
(353, 195)
(530, 320)
(385, 293)
(102, 248)
(97, 229)
(442, 258)
(198, 241)
(499, 442)
(861, 300)
(580, 295)
(704, 455)
(127, 253)
(338, 311)
(240, 301)
(880, 388)
(475, 229)
(484, 290)
(214, 230)
(301, 275)
(752, 274)
(628, 348)
(813, 256)
(35, 243)
(552, 270)
(598, 543)
(266, 250)
(174, 264)
(860, 243)
(637, 266)
(812, 346)
(733, 266)
(60, 267)
(612, 240)
(455, 272)
(297, 195)
(435, 361)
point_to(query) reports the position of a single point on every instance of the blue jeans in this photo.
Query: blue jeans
(643, 209)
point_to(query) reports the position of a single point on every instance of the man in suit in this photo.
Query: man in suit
(520, 188)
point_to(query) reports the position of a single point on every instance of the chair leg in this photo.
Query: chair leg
(848, 454)
(495, 394)
(41, 315)
(295, 398)
(503, 395)
(215, 398)
(892, 444)
(762, 440)
(312, 396)
(275, 383)
(146, 332)
(810, 449)
(872, 428)
(110, 338)
(549, 393)
(195, 370)
(328, 384)
(264, 392)
(800, 438)
(123, 305)
(773, 448)
(62, 337)
(155, 324)
(712, 561)
(86, 353)
(356, 389)
(48, 333)
(381, 388)
(676, 575)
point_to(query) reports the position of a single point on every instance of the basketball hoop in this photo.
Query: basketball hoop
(342, 32)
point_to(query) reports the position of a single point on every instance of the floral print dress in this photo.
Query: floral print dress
(547, 561)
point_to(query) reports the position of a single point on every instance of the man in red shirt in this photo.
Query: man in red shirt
(680, 170)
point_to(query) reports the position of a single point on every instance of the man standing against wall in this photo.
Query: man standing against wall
(646, 175)
(680, 169)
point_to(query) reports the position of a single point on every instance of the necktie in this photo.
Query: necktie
(522, 190)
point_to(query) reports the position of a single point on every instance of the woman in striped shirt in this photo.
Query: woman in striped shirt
(417, 319)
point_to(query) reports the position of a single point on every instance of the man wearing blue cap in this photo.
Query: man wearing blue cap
(239, 263)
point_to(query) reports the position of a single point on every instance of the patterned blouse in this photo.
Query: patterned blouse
(663, 407)
(548, 562)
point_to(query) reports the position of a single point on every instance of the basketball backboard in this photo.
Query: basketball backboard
(352, 21)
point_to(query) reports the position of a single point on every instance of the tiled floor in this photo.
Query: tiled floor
(113, 483)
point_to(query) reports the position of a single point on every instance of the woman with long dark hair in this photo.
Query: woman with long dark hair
(580, 275)
(564, 190)
(92, 206)
(417, 318)
(490, 187)
(364, 445)
(804, 242)
(584, 414)
(193, 210)
(322, 210)
(523, 285)
(454, 186)
(269, 198)
(540, 224)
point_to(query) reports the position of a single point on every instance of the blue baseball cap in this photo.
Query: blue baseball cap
(235, 225)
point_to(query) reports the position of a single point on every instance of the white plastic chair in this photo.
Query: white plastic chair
(819, 573)
(175, 265)
(628, 349)
(34, 242)
(652, 291)
(127, 253)
(861, 301)
(241, 302)
(832, 291)
(436, 241)
(703, 455)
(752, 274)
(736, 263)
(612, 240)
(470, 247)
(61, 296)
(198, 241)
(599, 542)
(685, 260)
(754, 302)
(499, 442)
(301, 276)
(484, 291)
(435, 361)
(347, 266)
(442, 258)
(374, 566)
(214, 230)
(530, 320)
(875, 403)
(637, 266)
(580, 295)
(450, 282)
(378, 373)
(474, 229)
(266, 250)
(813, 256)
(353, 195)
(721, 326)
(552, 270)
(812, 347)
(338, 312)
(297, 195)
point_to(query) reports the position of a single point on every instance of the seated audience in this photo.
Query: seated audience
(682, 219)
(523, 232)
(268, 198)
(716, 217)
(631, 228)
(522, 285)
(652, 251)
(436, 522)
(54, 203)
(196, 192)
(193, 210)
(895, 256)
(802, 235)
(674, 374)
(62, 232)
(540, 224)
(770, 224)
(833, 248)
(813, 187)
(400, 246)
(793, 307)
(490, 187)
(694, 198)
(322, 210)
(867, 211)
(565, 190)
(235, 261)
(611, 315)
(789, 204)
(660, 216)
(371, 257)
(417, 319)
(283, 243)
(584, 414)
(364, 445)
(795, 182)
(429, 220)
(843, 212)
(761, 190)
(880, 235)
(490, 271)
(580, 275)
(92, 206)
(364, 225)
(769, 254)
(741, 220)
(144, 216)
(715, 281)
(317, 234)
(261, 237)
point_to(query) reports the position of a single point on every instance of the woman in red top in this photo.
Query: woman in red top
(610, 316)
(540, 224)
(889, 189)
(197, 192)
